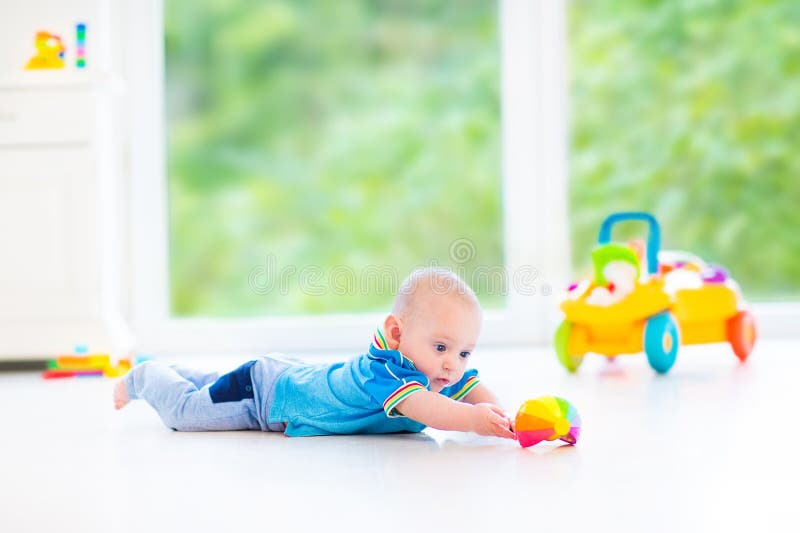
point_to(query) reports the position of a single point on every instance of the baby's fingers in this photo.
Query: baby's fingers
(501, 427)
(505, 433)
(499, 420)
(497, 410)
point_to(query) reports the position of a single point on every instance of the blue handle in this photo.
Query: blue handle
(653, 240)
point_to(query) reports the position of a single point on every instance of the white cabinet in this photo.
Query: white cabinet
(60, 223)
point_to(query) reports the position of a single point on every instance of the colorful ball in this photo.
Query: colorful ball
(547, 418)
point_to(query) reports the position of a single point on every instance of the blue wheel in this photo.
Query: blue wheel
(661, 341)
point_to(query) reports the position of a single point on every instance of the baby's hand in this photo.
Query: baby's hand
(490, 420)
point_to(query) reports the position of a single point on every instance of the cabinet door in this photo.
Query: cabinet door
(49, 274)
(45, 116)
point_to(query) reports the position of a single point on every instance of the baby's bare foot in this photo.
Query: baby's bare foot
(120, 395)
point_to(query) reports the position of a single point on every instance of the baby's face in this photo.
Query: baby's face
(440, 336)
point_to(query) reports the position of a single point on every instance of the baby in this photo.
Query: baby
(414, 375)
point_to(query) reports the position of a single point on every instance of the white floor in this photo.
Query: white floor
(710, 447)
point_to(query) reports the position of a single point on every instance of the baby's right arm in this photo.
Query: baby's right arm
(440, 412)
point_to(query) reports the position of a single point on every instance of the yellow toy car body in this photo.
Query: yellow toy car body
(678, 302)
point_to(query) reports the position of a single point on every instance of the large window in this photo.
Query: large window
(690, 110)
(317, 151)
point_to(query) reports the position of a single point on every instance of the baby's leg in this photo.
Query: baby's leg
(198, 377)
(184, 407)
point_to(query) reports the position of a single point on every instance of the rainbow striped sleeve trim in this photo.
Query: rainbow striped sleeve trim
(379, 341)
(406, 390)
(468, 386)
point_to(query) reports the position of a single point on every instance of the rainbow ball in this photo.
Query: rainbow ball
(547, 418)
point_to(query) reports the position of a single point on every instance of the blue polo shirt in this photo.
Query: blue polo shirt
(355, 396)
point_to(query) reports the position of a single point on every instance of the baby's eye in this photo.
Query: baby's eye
(464, 354)
(441, 347)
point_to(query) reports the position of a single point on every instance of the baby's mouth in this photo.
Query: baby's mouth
(443, 382)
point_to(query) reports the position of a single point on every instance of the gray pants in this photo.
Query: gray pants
(190, 400)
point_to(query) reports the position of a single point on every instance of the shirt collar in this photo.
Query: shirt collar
(379, 346)
(379, 341)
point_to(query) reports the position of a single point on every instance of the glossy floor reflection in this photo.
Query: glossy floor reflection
(710, 447)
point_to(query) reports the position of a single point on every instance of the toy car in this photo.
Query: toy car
(678, 300)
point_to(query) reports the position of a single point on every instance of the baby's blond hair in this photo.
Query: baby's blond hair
(430, 280)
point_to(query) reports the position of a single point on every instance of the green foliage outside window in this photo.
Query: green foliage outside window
(332, 136)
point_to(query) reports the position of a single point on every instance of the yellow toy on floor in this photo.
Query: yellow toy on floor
(49, 52)
(678, 300)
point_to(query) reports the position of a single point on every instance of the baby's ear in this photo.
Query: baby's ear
(392, 330)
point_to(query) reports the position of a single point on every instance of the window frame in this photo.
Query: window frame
(533, 166)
